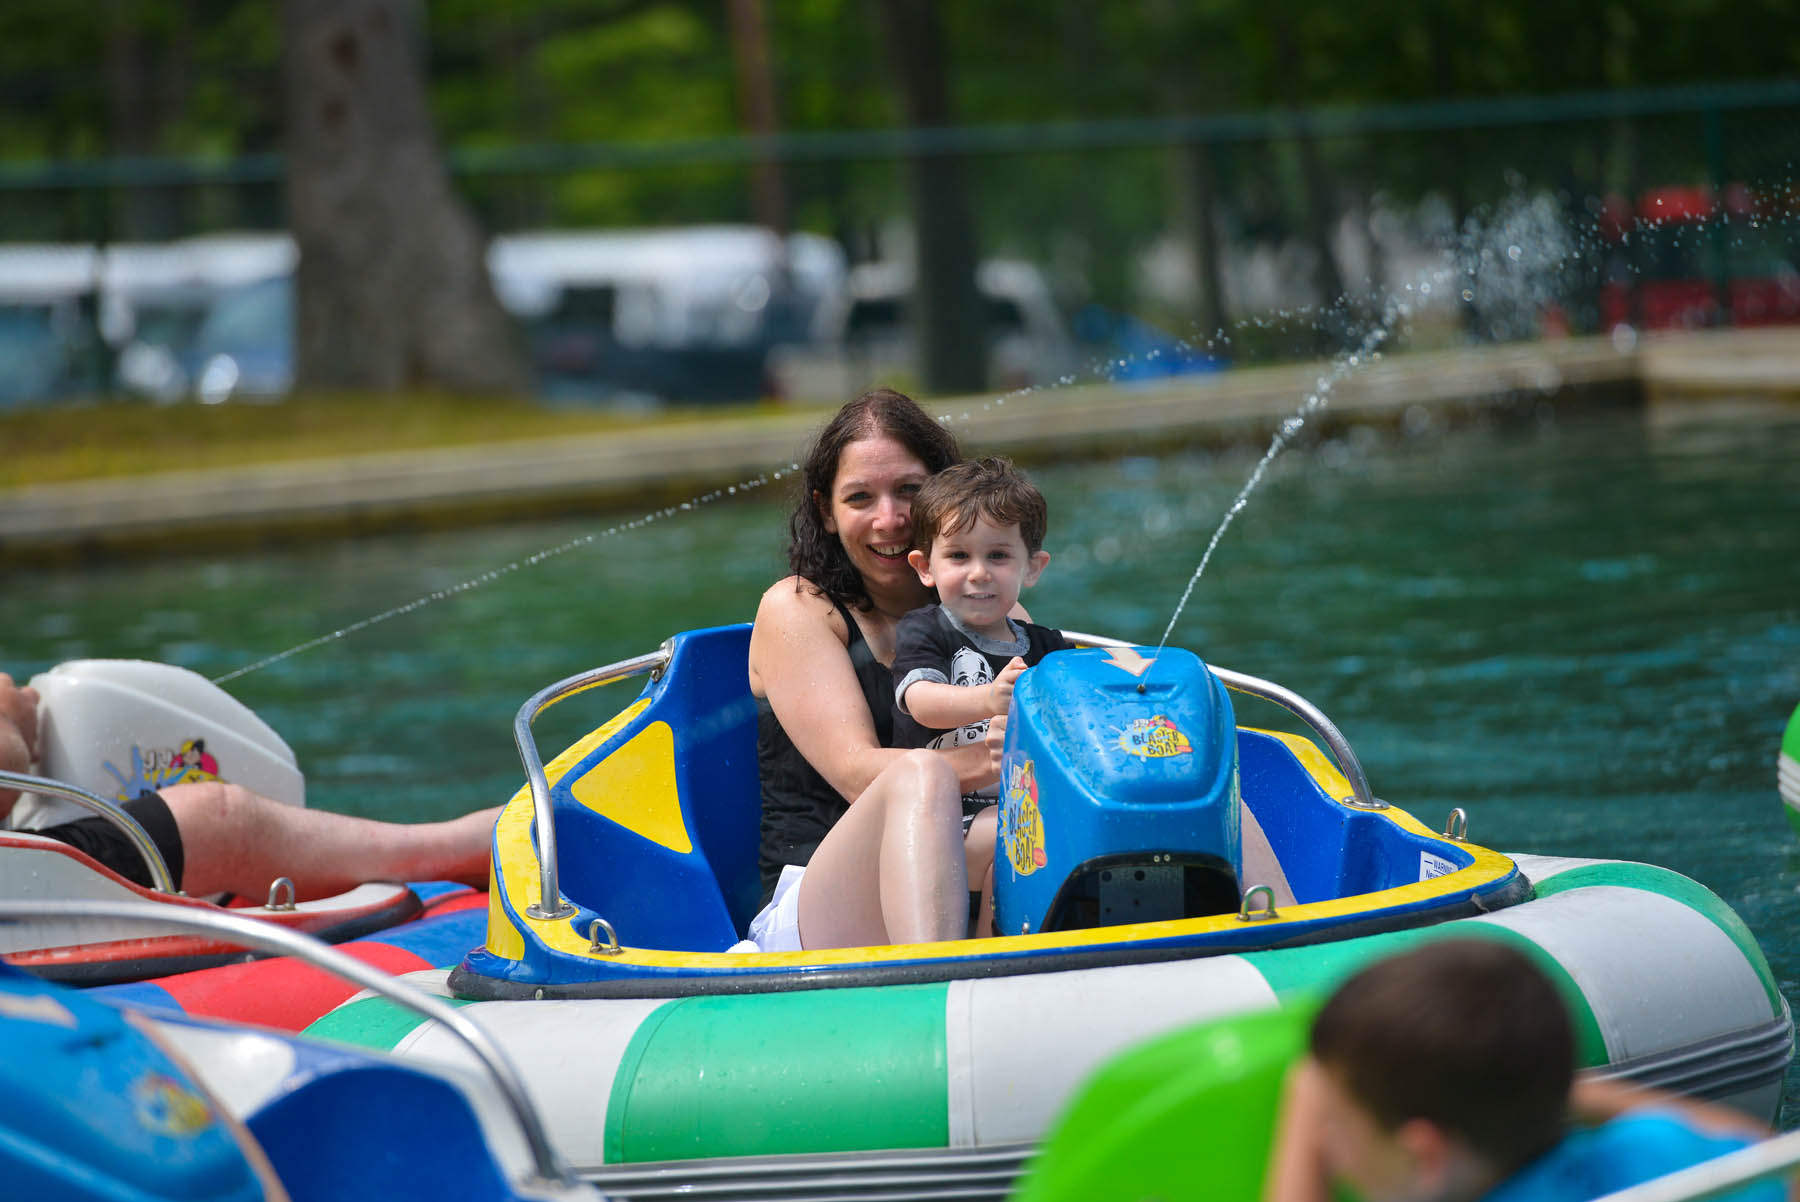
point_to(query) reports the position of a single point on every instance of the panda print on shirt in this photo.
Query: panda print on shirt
(968, 669)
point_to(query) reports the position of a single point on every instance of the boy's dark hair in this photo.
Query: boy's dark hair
(990, 488)
(814, 553)
(1466, 1033)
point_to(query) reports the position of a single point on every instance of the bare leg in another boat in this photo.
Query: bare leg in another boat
(235, 841)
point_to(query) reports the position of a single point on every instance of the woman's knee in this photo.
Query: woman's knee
(931, 773)
(928, 783)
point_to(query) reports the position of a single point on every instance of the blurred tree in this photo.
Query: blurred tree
(758, 111)
(948, 318)
(392, 289)
(148, 66)
(202, 77)
(582, 72)
(1185, 88)
(1320, 206)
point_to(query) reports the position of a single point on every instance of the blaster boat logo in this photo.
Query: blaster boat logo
(159, 766)
(165, 1105)
(1154, 738)
(1021, 823)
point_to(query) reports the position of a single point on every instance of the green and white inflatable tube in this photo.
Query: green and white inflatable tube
(957, 1082)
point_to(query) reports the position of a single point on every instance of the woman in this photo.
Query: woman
(878, 830)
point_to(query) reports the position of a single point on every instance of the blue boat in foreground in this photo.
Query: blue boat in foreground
(117, 1105)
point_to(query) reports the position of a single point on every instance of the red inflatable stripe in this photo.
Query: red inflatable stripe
(284, 994)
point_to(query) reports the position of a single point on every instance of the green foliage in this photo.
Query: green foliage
(203, 77)
(525, 71)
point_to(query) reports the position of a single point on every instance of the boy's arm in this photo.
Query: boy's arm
(946, 706)
(1594, 1100)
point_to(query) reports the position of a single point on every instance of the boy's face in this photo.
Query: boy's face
(1354, 1147)
(1406, 1165)
(978, 572)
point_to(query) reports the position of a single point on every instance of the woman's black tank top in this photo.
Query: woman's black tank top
(799, 805)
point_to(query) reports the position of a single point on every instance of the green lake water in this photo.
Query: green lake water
(1585, 632)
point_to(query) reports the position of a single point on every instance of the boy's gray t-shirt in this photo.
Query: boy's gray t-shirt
(931, 645)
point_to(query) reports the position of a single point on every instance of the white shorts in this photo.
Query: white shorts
(777, 927)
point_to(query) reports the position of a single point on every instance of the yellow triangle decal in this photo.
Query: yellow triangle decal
(635, 787)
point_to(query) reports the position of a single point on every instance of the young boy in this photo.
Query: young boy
(1445, 1073)
(978, 538)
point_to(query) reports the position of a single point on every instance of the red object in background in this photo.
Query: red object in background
(1683, 261)
(289, 994)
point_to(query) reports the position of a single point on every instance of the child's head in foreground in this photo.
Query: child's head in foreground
(1447, 1066)
(978, 538)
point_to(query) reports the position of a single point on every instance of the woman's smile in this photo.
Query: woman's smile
(870, 510)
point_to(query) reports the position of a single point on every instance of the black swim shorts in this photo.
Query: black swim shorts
(99, 838)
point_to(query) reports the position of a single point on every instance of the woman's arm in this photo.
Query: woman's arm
(800, 662)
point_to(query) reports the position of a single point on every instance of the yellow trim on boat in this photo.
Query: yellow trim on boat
(1325, 774)
(521, 887)
(1337, 786)
(513, 846)
(503, 938)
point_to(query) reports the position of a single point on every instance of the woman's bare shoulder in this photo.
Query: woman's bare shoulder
(795, 623)
(795, 603)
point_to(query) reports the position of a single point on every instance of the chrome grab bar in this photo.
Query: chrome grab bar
(550, 903)
(160, 879)
(1721, 1175)
(279, 941)
(1288, 700)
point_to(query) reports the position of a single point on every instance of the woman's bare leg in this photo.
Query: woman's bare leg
(892, 869)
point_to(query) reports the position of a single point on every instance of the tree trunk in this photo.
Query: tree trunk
(947, 313)
(758, 110)
(1440, 42)
(392, 291)
(1198, 176)
(143, 84)
(1208, 268)
(1320, 207)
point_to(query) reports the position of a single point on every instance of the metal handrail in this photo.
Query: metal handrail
(160, 879)
(1721, 1175)
(1288, 700)
(550, 903)
(280, 941)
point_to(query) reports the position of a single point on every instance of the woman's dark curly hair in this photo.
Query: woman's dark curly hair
(814, 553)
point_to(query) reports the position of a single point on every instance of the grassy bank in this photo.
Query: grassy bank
(102, 439)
